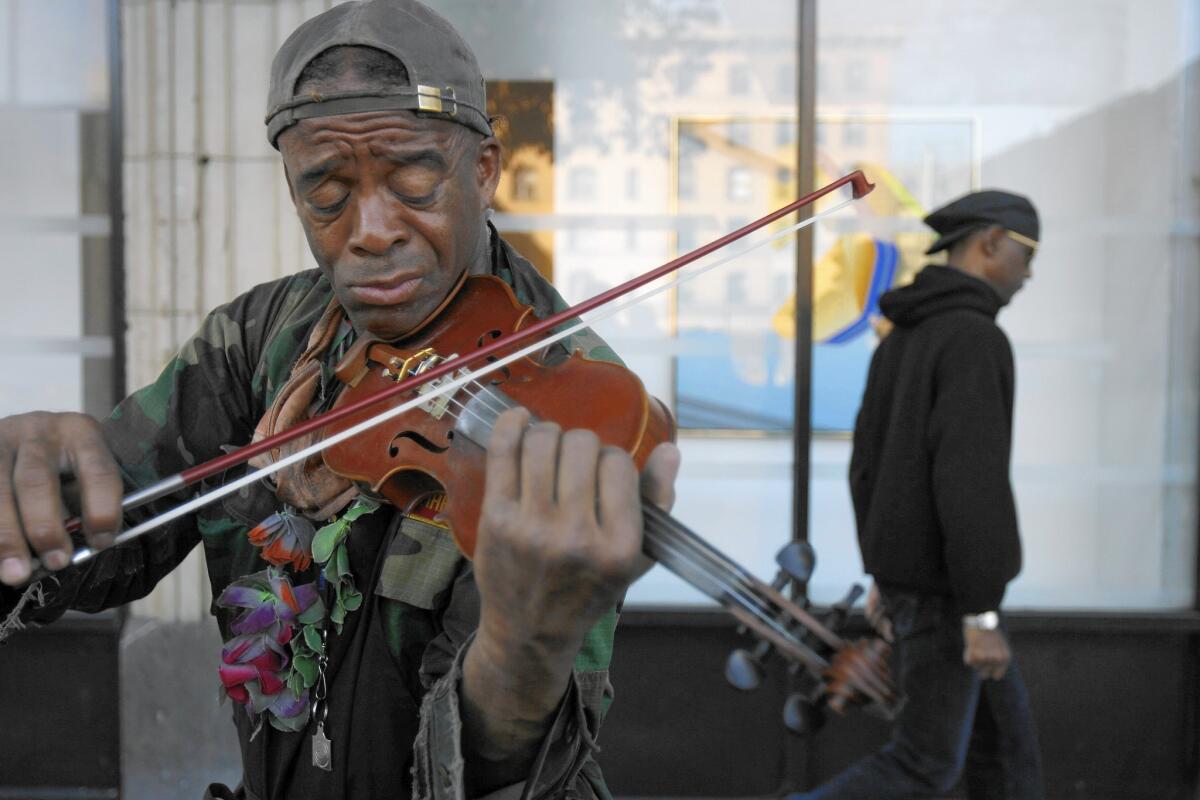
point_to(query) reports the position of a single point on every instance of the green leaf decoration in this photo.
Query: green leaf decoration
(362, 506)
(295, 682)
(306, 667)
(343, 560)
(327, 538)
(330, 571)
(329, 550)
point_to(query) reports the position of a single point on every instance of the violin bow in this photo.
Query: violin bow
(446, 370)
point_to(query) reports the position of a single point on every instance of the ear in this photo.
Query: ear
(992, 240)
(487, 170)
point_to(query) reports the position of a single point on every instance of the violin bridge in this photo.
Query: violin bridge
(438, 406)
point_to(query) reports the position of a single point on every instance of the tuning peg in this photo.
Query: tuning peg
(744, 669)
(841, 609)
(847, 602)
(797, 559)
(801, 717)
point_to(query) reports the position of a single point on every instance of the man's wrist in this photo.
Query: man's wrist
(983, 621)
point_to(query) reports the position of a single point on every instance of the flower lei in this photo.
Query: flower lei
(271, 662)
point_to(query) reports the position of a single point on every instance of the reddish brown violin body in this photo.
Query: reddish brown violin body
(416, 454)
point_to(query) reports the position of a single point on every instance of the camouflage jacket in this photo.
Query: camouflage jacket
(395, 669)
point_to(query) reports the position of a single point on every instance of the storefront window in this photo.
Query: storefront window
(1105, 335)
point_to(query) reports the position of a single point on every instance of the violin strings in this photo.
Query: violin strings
(703, 551)
(683, 551)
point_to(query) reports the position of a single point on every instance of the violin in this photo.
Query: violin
(439, 446)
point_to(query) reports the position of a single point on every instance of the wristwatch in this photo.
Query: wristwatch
(983, 621)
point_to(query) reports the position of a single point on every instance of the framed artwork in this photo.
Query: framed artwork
(735, 326)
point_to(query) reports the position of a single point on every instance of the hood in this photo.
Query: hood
(937, 289)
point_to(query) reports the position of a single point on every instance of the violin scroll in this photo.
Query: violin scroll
(859, 674)
(837, 673)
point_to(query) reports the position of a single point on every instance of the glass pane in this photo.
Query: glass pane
(1104, 458)
(61, 53)
(735, 369)
(53, 212)
(44, 181)
(594, 199)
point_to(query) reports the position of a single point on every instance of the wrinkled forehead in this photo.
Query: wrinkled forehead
(376, 132)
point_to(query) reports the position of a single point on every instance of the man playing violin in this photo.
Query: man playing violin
(364, 655)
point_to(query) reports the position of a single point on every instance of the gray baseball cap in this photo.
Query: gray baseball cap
(444, 77)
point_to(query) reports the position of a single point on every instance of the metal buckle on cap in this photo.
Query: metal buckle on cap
(429, 98)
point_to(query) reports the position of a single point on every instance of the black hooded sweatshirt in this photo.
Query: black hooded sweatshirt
(930, 471)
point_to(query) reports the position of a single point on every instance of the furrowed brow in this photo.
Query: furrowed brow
(427, 158)
(318, 172)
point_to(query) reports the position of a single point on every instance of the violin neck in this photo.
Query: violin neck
(754, 603)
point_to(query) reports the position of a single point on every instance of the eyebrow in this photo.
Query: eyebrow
(319, 171)
(429, 157)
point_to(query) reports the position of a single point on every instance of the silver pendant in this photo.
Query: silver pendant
(322, 749)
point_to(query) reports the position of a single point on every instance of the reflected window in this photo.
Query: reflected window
(525, 184)
(739, 133)
(735, 288)
(581, 184)
(785, 132)
(739, 79)
(739, 184)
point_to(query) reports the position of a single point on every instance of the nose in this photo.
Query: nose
(377, 226)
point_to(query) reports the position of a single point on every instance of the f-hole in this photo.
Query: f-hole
(501, 375)
(419, 441)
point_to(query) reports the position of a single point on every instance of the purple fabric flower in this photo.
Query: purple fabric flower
(255, 661)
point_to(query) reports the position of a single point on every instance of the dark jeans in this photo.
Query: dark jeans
(953, 720)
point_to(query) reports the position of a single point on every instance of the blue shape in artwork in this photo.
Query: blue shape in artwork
(710, 394)
(883, 271)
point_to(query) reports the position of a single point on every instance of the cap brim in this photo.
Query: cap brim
(951, 239)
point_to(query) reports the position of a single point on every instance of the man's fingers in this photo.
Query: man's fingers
(620, 509)
(36, 482)
(99, 480)
(658, 476)
(503, 472)
(578, 456)
(539, 466)
(14, 555)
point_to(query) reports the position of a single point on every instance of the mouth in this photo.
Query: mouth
(391, 291)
